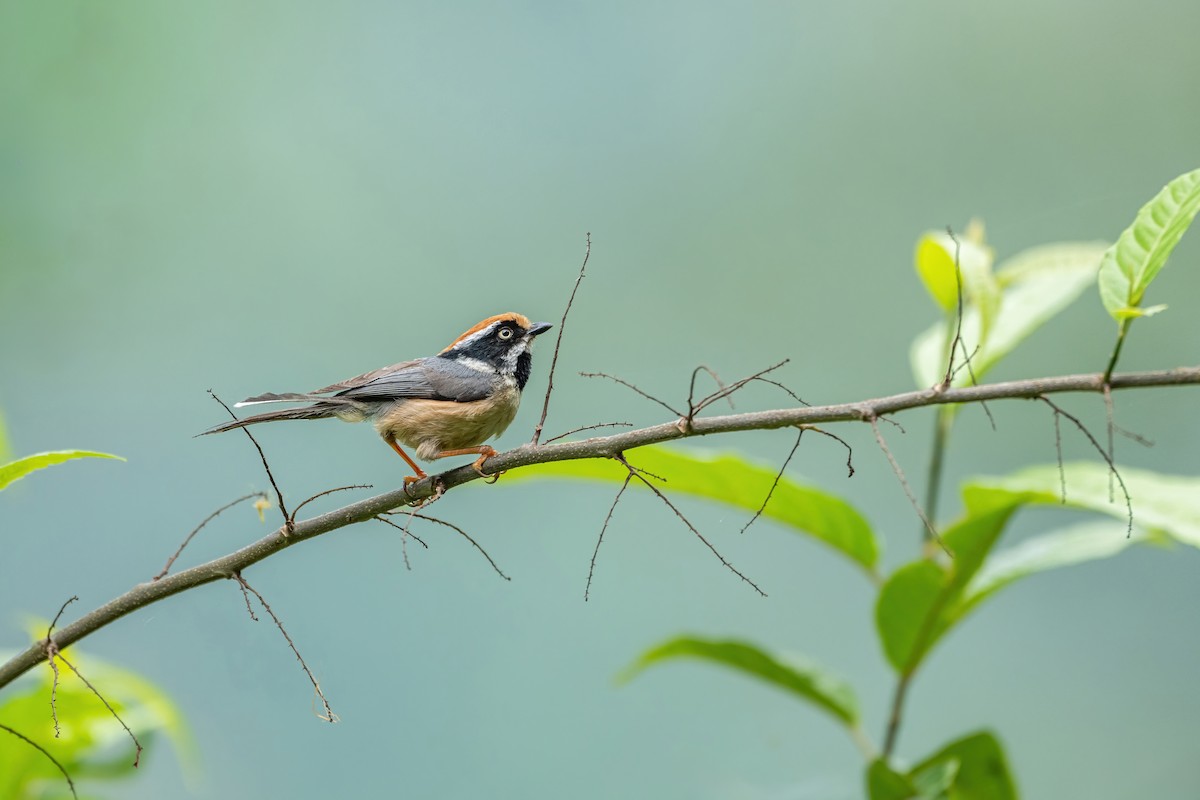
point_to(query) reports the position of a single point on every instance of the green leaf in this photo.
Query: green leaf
(736, 481)
(918, 603)
(935, 781)
(15, 470)
(1077, 544)
(5, 446)
(1163, 504)
(1035, 285)
(1142, 250)
(883, 783)
(981, 772)
(798, 676)
(905, 601)
(934, 261)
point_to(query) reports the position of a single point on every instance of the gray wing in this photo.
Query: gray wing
(426, 378)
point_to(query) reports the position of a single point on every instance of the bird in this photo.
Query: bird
(443, 405)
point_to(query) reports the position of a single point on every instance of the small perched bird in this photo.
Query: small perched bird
(443, 405)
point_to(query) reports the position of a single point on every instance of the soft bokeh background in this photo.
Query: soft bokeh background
(277, 195)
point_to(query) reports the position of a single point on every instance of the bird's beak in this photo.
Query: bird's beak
(539, 328)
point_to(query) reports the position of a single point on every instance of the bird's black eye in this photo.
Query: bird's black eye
(505, 334)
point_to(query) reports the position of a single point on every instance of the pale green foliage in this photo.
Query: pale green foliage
(1142, 249)
(15, 470)
(1034, 285)
(91, 745)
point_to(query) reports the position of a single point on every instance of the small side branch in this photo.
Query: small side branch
(46, 753)
(775, 483)
(466, 536)
(328, 716)
(904, 484)
(137, 756)
(587, 253)
(167, 567)
(629, 385)
(607, 518)
(1099, 448)
(54, 666)
(287, 518)
(637, 473)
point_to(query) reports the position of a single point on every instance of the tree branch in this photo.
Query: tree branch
(228, 566)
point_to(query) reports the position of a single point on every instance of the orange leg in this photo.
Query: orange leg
(484, 451)
(409, 478)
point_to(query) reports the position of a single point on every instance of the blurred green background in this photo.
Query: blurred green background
(278, 195)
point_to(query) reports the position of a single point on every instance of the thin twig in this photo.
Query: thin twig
(629, 385)
(975, 381)
(53, 666)
(587, 253)
(777, 384)
(137, 757)
(607, 518)
(843, 442)
(167, 567)
(774, 483)
(246, 597)
(46, 753)
(466, 536)
(726, 391)
(405, 533)
(904, 483)
(958, 285)
(692, 387)
(328, 716)
(287, 519)
(1112, 467)
(591, 428)
(637, 474)
(296, 510)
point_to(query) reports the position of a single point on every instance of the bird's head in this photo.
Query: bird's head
(502, 344)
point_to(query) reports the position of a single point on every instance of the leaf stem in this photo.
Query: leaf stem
(933, 481)
(1116, 353)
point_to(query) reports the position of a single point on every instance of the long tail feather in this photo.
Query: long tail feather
(318, 411)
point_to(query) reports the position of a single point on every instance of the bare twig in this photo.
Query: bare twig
(405, 533)
(137, 757)
(46, 753)
(146, 594)
(328, 716)
(590, 428)
(843, 442)
(288, 524)
(774, 483)
(384, 519)
(296, 510)
(635, 472)
(466, 536)
(587, 253)
(904, 483)
(53, 666)
(1112, 466)
(726, 391)
(629, 385)
(779, 385)
(692, 387)
(958, 285)
(167, 567)
(607, 518)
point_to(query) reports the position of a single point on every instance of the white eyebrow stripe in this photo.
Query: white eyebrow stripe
(475, 364)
